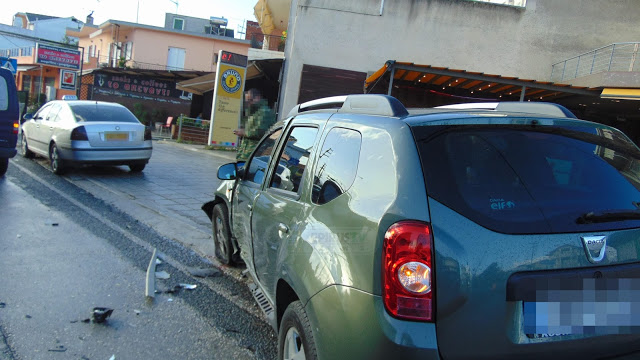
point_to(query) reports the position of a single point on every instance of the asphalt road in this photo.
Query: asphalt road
(64, 250)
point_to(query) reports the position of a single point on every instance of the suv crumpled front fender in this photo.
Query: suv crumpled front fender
(223, 194)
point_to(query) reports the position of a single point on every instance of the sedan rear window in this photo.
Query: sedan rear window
(102, 113)
(526, 180)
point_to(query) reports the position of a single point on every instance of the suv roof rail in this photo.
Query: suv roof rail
(382, 105)
(543, 108)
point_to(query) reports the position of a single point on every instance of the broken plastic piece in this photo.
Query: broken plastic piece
(59, 348)
(101, 314)
(162, 275)
(113, 357)
(188, 286)
(205, 272)
(169, 300)
(158, 261)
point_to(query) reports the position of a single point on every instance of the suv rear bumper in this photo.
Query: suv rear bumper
(353, 324)
(7, 152)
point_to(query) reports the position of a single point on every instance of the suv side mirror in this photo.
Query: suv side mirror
(228, 171)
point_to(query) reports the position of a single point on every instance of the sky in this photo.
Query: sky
(151, 12)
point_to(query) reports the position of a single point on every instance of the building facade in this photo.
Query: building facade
(515, 39)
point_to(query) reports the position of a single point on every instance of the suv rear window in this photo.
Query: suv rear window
(532, 180)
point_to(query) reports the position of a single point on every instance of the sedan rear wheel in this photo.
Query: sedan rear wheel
(57, 164)
(136, 167)
(24, 148)
(295, 338)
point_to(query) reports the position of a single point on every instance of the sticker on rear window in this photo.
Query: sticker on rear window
(501, 204)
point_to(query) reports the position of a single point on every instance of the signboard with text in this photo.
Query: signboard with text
(227, 99)
(58, 56)
(140, 87)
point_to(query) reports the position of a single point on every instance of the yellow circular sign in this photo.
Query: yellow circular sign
(231, 81)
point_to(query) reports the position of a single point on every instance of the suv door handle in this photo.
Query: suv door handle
(283, 229)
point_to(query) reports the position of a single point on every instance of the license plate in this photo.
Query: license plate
(116, 136)
(604, 307)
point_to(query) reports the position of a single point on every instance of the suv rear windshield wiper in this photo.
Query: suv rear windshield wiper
(608, 216)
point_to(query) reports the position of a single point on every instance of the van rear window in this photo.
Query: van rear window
(523, 180)
(4, 94)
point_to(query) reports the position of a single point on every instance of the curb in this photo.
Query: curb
(228, 155)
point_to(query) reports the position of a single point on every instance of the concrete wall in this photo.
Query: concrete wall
(480, 37)
(152, 47)
(53, 29)
(191, 24)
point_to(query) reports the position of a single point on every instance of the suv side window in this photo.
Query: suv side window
(257, 167)
(294, 158)
(337, 165)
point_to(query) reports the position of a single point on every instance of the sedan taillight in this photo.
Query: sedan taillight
(79, 133)
(147, 133)
(407, 271)
(16, 127)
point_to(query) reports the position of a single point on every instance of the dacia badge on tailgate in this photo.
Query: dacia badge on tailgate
(594, 247)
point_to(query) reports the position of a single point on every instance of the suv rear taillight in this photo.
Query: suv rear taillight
(407, 271)
(16, 127)
(79, 133)
(147, 133)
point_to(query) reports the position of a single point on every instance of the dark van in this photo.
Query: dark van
(9, 122)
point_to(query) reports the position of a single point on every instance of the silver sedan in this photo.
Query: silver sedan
(86, 132)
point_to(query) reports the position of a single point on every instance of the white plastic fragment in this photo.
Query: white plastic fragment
(188, 286)
(162, 275)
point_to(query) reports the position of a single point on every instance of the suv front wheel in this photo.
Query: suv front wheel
(295, 339)
(222, 235)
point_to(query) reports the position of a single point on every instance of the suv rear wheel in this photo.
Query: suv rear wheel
(295, 339)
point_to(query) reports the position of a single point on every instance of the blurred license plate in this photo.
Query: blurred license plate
(111, 136)
(598, 307)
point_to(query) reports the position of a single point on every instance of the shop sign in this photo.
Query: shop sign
(57, 56)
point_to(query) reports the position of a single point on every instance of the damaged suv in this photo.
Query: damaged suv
(462, 233)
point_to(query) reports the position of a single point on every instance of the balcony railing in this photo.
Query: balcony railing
(614, 57)
(268, 42)
(106, 61)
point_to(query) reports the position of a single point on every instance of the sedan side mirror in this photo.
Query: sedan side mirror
(227, 171)
(26, 117)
